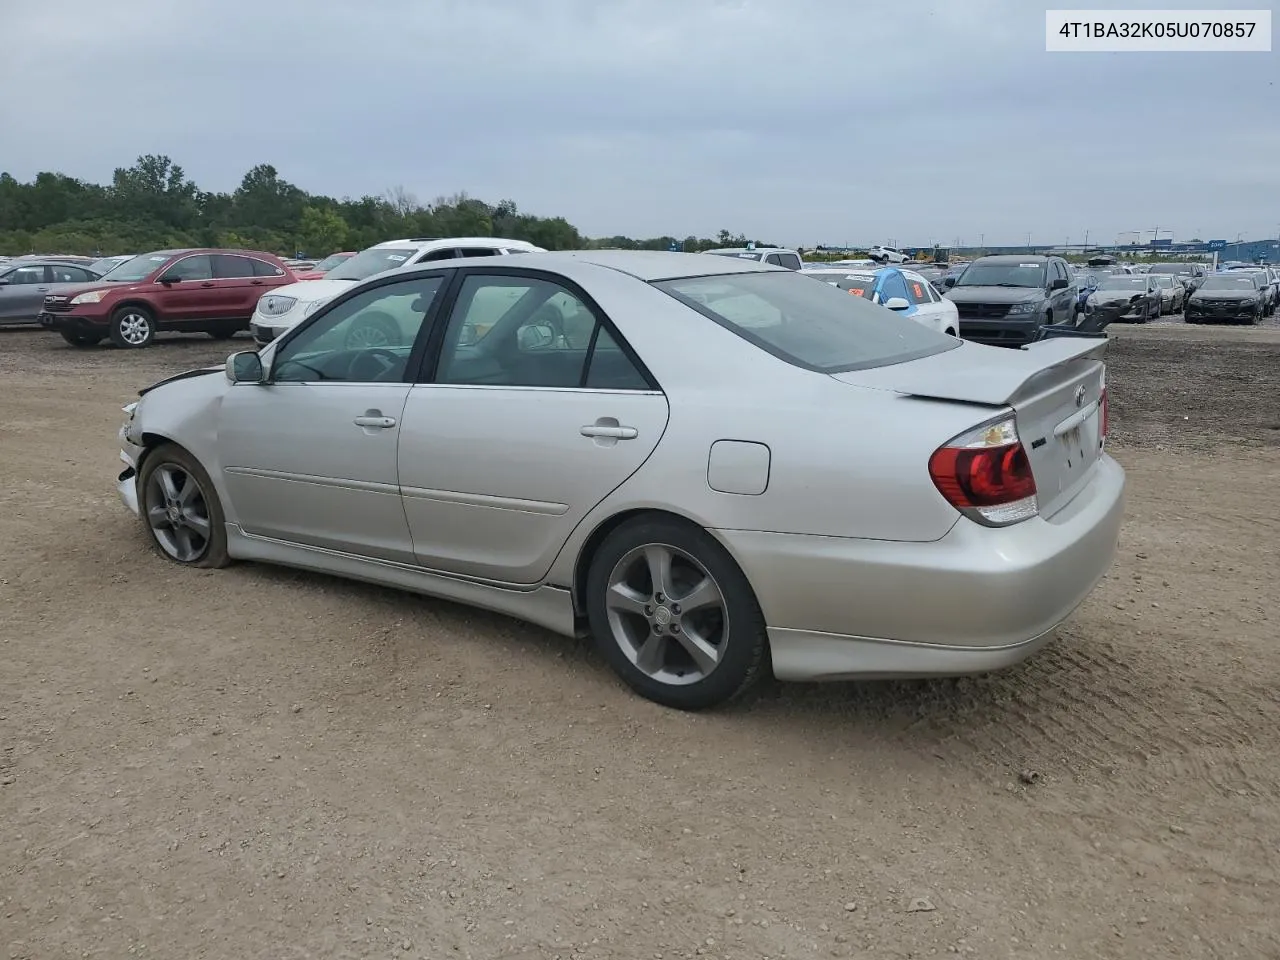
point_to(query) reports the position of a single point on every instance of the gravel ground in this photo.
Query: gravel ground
(261, 763)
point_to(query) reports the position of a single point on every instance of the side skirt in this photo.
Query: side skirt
(546, 606)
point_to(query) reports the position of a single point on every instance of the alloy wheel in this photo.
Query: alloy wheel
(178, 513)
(667, 614)
(134, 328)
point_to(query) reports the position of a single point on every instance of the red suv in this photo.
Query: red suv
(210, 290)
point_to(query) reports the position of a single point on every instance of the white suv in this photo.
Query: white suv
(285, 307)
(887, 255)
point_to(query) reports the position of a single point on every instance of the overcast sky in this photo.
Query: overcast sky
(793, 121)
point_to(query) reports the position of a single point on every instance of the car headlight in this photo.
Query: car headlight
(1250, 302)
(1025, 308)
(312, 307)
(274, 305)
(93, 296)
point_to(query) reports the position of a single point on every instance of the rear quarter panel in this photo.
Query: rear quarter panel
(845, 461)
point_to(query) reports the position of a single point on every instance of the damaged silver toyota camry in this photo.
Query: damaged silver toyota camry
(715, 468)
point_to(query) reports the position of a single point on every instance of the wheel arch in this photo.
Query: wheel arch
(593, 541)
(137, 303)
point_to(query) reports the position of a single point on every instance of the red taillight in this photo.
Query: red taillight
(986, 474)
(1106, 414)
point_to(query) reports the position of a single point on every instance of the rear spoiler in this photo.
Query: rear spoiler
(974, 373)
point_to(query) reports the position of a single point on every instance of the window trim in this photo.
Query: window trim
(420, 342)
(46, 275)
(429, 367)
(164, 270)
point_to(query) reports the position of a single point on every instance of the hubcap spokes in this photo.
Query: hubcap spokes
(133, 328)
(177, 513)
(667, 614)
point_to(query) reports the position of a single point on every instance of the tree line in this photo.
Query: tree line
(153, 205)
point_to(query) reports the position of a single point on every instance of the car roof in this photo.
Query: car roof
(453, 242)
(647, 265)
(44, 262)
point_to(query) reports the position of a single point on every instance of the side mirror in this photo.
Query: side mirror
(897, 303)
(4, 281)
(245, 367)
(169, 278)
(536, 336)
(1059, 283)
(949, 282)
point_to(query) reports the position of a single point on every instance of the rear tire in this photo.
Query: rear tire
(81, 339)
(132, 328)
(692, 657)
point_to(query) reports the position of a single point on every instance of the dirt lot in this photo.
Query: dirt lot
(260, 763)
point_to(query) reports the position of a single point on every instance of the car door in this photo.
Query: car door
(186, 300)
(310, 457)
(22, 297)
(236, 288)
(520, 432)
(926, 312)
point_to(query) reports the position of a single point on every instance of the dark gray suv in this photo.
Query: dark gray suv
(1007, 301)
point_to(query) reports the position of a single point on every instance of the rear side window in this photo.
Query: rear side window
(227, 266)
(263, 269)
(811, 325)
(478, 252)
(790, 261)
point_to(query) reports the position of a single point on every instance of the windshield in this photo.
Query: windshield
(1123, 282)
(368, 262)
(858, 285)
(105, 264)
(331, 261)
(810, 325)
(1228, 283)
(1002, 275)
(139, 268)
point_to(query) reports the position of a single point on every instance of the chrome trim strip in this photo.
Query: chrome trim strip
(544, 507)
(367, 486)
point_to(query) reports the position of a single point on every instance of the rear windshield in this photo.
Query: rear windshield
(811, 325)
(1181, 269)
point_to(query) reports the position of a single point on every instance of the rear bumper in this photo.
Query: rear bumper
(976, 600)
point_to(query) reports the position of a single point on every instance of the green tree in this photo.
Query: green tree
(322, 231)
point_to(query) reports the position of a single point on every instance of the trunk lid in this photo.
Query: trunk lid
(1054, 387)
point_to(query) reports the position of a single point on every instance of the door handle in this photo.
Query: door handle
(609, 432)
(256, 283)
(207, 283)
(381, 423)
(42, 289)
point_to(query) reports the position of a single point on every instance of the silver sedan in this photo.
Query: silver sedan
(715, 468)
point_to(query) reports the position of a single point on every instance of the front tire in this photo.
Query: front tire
(181, 510)
(80, 339)
(223, 332)
(674, 615)
(132, 328)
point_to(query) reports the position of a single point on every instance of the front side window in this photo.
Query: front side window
(198, 267)
(366, 339)
(917, 290)
(516, 331)
(69, 274)
(807, 324)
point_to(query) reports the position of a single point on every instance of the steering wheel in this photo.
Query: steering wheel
(373, 364)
